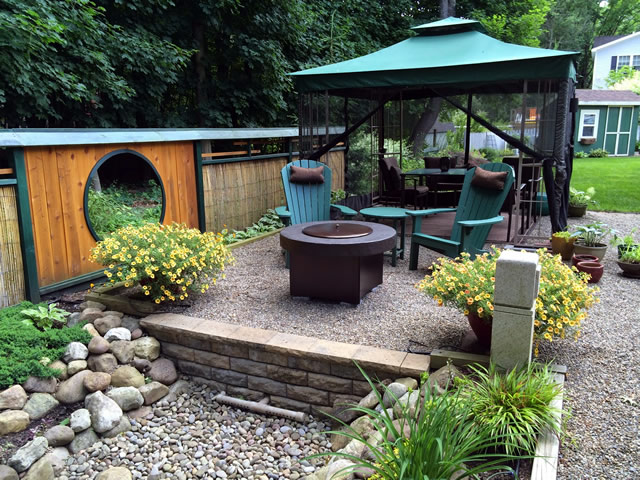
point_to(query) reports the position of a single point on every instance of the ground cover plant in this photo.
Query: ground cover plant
(26, 350)
(168, 261)
(118, 205)
(269, 222)
(614, 180)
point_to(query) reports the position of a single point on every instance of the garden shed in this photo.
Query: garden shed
(205, 178)
(607, 120)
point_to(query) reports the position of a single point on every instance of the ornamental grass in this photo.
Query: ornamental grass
(167, 261)
(563, 299)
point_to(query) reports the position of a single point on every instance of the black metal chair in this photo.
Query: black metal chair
(392, 192)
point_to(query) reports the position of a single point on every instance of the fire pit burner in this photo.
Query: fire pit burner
(337, 230)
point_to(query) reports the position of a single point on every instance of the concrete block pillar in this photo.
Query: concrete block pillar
(516, 290)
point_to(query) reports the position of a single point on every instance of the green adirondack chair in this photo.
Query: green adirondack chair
(308, 202)
(477, 211)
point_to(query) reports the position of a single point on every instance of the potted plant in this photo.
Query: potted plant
(579, 201)
(562, 302)
(629, 262)
(590, 239)
(562, 244)
(626, 243)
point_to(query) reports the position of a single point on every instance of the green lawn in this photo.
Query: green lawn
(615, 180)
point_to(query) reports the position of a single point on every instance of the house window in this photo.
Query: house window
(636, 62)
(589, 123)
(623, 61)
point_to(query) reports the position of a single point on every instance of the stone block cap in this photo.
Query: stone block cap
(517, 279)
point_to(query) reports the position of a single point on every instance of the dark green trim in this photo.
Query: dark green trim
(101, 162)
(288, 155)
(26, 229)
(8, 181)
(197, 155)
(72, 282)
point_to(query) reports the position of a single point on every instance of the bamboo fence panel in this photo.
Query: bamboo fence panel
(237, 194)
(11, 272)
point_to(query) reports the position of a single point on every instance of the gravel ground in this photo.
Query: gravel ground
(195, 437)
(603, 381)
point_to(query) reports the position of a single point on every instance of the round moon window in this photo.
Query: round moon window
(123, 189)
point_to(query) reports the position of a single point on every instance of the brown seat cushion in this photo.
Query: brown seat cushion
(306, 175)
(395, 179)
(486, 179)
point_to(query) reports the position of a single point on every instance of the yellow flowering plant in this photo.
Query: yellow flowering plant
(563, 299)
(168, 261)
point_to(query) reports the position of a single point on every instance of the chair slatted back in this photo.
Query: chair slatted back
(307, 202)
(478, 203)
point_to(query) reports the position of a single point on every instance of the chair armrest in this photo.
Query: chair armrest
(284, 214)
(344, 210)
(478, 223)
(431, 211)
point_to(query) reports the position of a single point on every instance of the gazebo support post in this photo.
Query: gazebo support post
(467, 142)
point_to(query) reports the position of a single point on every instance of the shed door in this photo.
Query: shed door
(618, 131)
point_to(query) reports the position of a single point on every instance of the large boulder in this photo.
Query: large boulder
(97, 381)
(59, 435)
(152, 392)
(105, 413)
(106, 323)
(8, 473)
(39, 404)
(41, 470)
(13, 398)
(90, 314)
(115, 473)
(91, 330)
(98, 345)
(83, 440)
(127, 377)
(127, 398)
(80, 420)
(130, 323)
(163, 370)
(40, 385)
(393, 393)
(76, 366)
(123, 350)
(103, 363)
(28, 454)
(72, 390)
(147, 348)
(124, 425)
(443, 378)
(60, 365)
(58, 459)
(75, 351)
(92, 304)
(12, 421)
(117, 334)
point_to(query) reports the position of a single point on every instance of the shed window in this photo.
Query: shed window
(589, 123)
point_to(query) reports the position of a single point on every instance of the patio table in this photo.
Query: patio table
(435, 177)
(397, 215)
(337, 267)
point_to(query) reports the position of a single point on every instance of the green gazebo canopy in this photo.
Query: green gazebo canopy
(447, 57)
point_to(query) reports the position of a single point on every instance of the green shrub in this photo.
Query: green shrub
(26, 351)
(581, 155)
(44, 318)
(441, 440)
(598, 153)
(269, 222)
(515, 404)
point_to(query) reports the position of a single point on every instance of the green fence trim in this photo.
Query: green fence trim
(197, 155)
(27, 244)
(72, 282)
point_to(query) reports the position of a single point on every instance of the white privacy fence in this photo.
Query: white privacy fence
(479, 140)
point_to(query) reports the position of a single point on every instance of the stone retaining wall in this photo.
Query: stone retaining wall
(295, 372)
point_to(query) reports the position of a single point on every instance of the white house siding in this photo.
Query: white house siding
(602, 58)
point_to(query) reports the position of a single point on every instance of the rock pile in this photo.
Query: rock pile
(108, 375)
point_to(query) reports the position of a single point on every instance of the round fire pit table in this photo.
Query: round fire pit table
(339, 261)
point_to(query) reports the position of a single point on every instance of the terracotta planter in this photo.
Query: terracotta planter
(630, 269)
(595, 269)
(577, 210)
(562, 246)
(583, 258)
(482, 329)
(597, 251)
